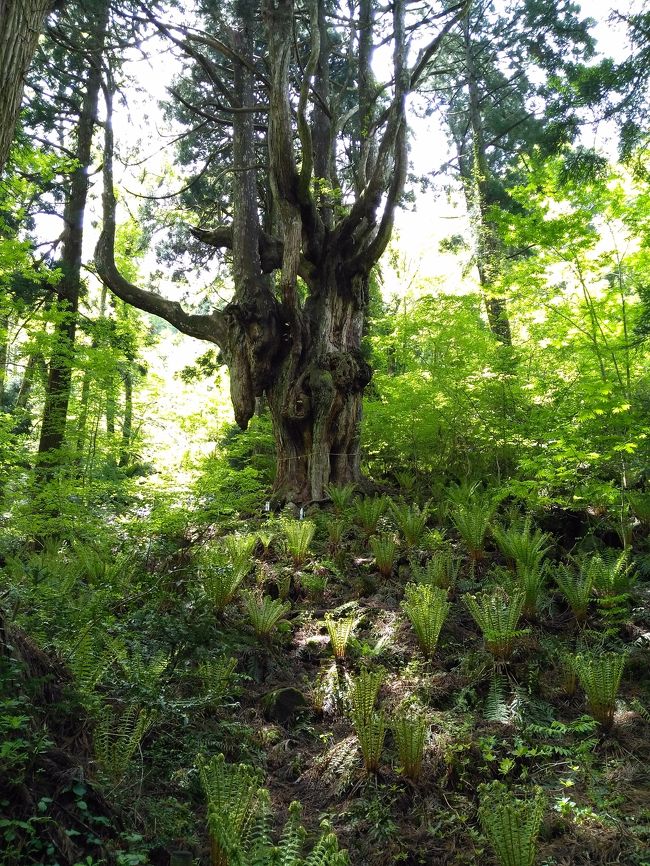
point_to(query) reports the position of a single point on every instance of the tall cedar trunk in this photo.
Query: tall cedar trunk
(57, 395)
(127, 420)
(316, 399)
(20, 26)
(4, 353)
(487, 246)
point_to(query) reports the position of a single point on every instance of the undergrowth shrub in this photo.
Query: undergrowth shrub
(217, 676)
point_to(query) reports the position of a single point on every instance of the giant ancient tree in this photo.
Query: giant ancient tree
(309, 164)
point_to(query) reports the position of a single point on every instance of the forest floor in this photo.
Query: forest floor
(129, 646)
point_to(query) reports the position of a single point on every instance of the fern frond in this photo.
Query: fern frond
(264, 613)
(339, 632)
(497, 615)
(410, 732)
(600, 675)
(511, 825)
(426, 607)
(299, 535)
(384, 549)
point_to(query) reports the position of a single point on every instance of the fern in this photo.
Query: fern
(117, 735)
(600, 676)
(497, 615)
(427, 608)
(220, 582)
(496, 707)
(89, 660)
(410, 731)
(441, 570)
(368, 512)
(339, 632)
(384, 549)
(233, 795)
(341, 496)
(216, 677)
(511, 825)
(530, 581)
(264, 613)
(266, 539)
(576, 588)
(239, 548)
(239, 823)
(364, 690)
(411, 522)
(610, 573)
(523, 546)
(472, 522)
(299, 535)
(335, 533)
(369, 725)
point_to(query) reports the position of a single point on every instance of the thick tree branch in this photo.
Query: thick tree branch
(206, 327)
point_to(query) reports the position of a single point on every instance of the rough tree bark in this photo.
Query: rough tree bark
(21, 22)
(303, 355)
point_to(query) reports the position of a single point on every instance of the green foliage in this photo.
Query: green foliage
(239, 548)
(472, 520)
(522, 545)
(600, 675)
(264, 613)
(216, 676)
(369, 724)
(510, 824)
(298, 535)
(427, 607)
(117, 734)
(220, 581)
(576, 587)
(411, 522)
(441, 570)
(339, 632)
(384, 549)
(410, 730)
(368, 511)
(640, 504)
(239, 822)
(233, 795)
(497, 615)
(341, 496)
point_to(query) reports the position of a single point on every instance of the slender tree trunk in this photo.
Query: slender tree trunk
(487, 243)
(127, 421)
(21, 22)
(4, 351)
(59, 383)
